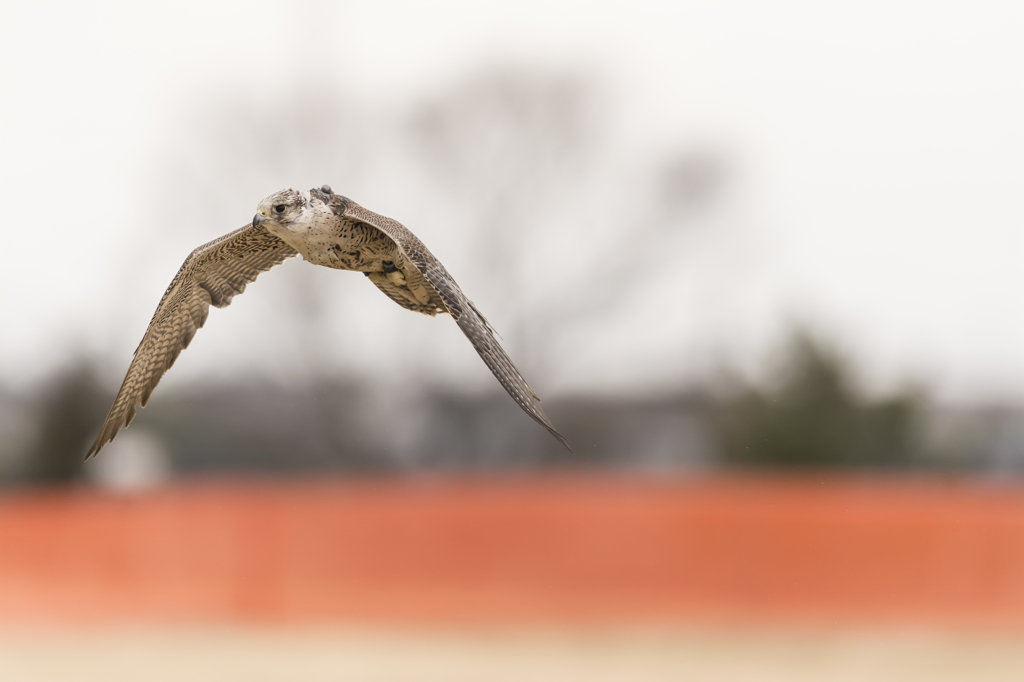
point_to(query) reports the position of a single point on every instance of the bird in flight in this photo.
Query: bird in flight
(326, 229)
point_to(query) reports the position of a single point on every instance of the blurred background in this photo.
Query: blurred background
(766, 245)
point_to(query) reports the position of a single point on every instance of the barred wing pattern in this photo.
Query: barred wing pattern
(213, 274)
(469, 319)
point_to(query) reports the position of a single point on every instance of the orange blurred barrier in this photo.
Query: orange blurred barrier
(521, 550)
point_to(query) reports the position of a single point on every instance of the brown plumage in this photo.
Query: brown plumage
(326, 229)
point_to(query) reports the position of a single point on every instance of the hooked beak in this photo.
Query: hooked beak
(258, 220)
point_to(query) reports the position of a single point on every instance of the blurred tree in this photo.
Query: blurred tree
(70, 409)
(813, 417)
(525, 154)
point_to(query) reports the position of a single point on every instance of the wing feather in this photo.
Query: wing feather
(470, 321)
(213, 274)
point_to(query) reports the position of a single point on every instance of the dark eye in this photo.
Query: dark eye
(280, 208)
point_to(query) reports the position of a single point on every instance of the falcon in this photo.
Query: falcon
(326, 229)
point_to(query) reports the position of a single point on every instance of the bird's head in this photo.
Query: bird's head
(288, 209)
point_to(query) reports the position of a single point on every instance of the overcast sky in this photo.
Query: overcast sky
(876, 155)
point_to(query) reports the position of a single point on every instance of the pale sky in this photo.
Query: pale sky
(877, 151)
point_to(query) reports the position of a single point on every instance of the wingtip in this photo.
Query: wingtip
(93, 450)
(562, 440)
(101, 441)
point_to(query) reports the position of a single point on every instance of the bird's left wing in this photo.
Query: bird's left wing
(469, 319)
(213, 274)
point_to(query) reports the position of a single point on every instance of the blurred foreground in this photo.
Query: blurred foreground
(540, 578)
(531, 550)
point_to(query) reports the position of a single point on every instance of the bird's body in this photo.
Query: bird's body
(326, 236)
(328, 239)
(325, 229)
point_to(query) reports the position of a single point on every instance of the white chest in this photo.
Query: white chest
(336, 242)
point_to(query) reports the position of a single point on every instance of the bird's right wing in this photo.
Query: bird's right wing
(212, 275)
(472, 323)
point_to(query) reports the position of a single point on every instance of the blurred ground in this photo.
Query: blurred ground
(556, 577)
(532, 550)
(254, 654)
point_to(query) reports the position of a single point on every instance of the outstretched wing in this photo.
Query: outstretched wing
(469, 319)
(212, 275)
